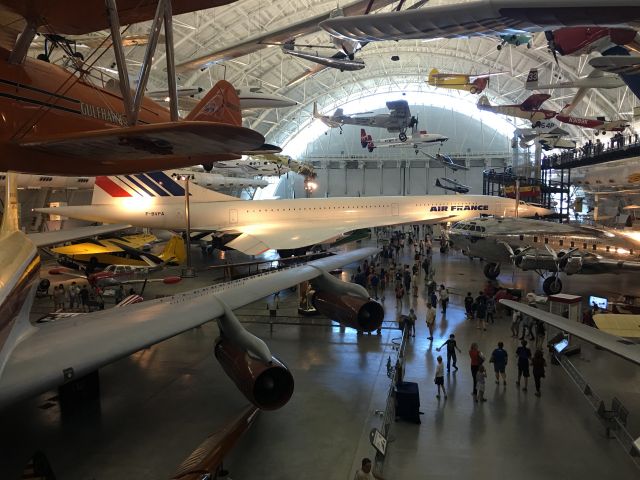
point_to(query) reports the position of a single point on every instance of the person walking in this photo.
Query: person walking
(538, 364)
(119, 296)
(411, 319)
(365, 471)
(433, 297)
(84, 298)
(491, 310)
(524, 356)
(399, 295)
(431, 319)
(476, 360)
(516, 316)
(452, 346)
(444, 299)
(58, 298)
(499, 359)
(439, 377)
(481, 311)
(374, 280)
(414, 284)
(481, 379)
(406, 276)
(74, 301)
(468, 305)
(541, 333)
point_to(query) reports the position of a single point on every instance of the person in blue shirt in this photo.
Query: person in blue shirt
(524, 356)
(499, 359)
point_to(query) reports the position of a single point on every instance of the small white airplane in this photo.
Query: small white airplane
(261, 225)
(528, 110)
(417, 140)
(446, 161)
(252, 166)
(596, 79)
(451, 185)
(37, 357)
(398, 119)
(549, 138)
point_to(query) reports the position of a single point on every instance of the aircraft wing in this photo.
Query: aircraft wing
(534, 101)
(60, 236)
(616, 345)
(399, 109)
(484, 17)
(54, 353)
(264, 40)
(257, 238)
(127, 145)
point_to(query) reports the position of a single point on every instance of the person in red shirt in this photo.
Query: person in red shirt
(476, 360)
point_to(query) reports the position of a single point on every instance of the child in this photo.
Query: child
(480, 383)
(439, 378)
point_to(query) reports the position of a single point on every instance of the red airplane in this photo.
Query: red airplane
(599, 124)
(585, 40)
(529, 109)
(57, 121)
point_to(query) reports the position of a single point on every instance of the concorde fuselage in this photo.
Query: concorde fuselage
(376, 211)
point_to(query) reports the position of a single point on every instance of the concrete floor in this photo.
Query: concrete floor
(160, 403)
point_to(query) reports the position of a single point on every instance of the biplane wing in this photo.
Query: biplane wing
(130, 149)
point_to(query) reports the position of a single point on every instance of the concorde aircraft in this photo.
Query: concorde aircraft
(545, 247)
(155, 200)
(35, 358)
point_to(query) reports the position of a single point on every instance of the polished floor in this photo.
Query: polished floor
(159, 404)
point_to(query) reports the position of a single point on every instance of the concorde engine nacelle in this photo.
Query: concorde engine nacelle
(347, 303)
(263, 379)
(268, 386)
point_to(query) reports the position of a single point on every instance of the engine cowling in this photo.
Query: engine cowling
(268, 386)
(537, 262)
(360, 313)
(571, 265)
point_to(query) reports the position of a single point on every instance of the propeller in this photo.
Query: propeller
(551, 42)
(515, 257)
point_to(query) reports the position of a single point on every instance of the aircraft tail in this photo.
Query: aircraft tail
(431, 79)
(566, 110)
(174, 251)
(532, 79)
(159, 185)
(483, 101)
(221, 105)
(10, 215)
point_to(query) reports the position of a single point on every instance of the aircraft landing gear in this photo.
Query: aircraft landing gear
(552, 285)
(491, 271)
(402, 137)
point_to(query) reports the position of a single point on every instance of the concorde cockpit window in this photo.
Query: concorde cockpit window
(521, 237)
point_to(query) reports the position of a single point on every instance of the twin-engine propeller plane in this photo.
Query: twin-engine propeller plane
(398, 119)
(57, 121)
(545, 247)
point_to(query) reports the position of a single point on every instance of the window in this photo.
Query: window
(573, 244)
(608, 249)
(535, 239)
(584, 245)
(521, 237)
(561, 242)
(546, 240)
(594, 247)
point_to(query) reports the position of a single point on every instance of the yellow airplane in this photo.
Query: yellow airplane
(125, 250)
(459, 81)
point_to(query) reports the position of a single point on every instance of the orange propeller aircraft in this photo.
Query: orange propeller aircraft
(57, 121)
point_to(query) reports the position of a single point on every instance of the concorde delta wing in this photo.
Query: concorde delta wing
(611, 343)
(67, 349)
(56, 237)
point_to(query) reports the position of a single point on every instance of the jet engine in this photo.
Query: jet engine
(537, 262)
(268, 386)
(246, 359)
(347, 303)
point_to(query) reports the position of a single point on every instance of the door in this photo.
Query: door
(233, 216)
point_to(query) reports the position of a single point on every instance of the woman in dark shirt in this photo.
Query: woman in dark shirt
(538, 364)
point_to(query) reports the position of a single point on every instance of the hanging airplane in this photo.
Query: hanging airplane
(549, 138)
(398, 119)
(253, 165)
(451, 185)
(261, 225)
(528, 110)
(460, 81)
(417, 141)
(446, 161)
(36, 358)
(60, 122)
(546, 248)
(595, 79)
(599, 124)
(617, 177)
(515, 39)
(250, 98)
(342, 61)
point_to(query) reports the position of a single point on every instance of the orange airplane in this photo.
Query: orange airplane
(55, 121)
